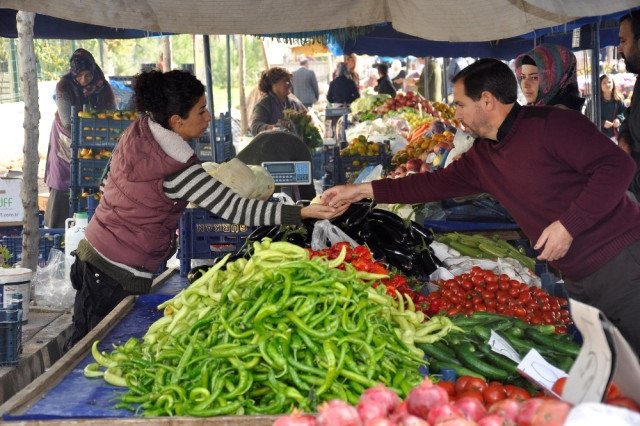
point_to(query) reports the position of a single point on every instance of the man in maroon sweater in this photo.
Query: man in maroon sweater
(561, 179)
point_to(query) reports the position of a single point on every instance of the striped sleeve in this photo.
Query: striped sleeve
(195, 185)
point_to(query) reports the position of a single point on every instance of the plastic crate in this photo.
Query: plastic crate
(49, 238)
(204, 235)
(346, 168)
(99, 132)
(476, 210)
(224, 149)
(10, 336)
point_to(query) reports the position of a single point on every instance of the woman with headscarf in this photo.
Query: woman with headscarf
(84, 84)
(548, 76)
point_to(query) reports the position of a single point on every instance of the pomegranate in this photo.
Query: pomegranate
(471, 408)
(409, 420)
(551, 413)
(296, 419)
(337, 413)
(440, 413)
(424, 397)
(377, 402)
(527, 410)
(491, 420)
(507, 409)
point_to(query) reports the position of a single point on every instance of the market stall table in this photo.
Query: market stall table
(64, 393)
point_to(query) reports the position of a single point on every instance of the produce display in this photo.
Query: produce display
(265, 335)
(485, 291)
(481, 247)
(432, 404)
(468, 353)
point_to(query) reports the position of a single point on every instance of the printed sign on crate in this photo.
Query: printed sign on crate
(10, 202)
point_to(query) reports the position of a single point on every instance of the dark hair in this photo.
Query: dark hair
(271, 77)
(304, 62)
(614, 92)
(383, 68)
(162, 95)
(490, 75)
(634, 17)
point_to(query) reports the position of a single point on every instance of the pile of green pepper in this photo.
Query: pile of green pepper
(264, 335)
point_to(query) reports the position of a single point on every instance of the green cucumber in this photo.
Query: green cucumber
(438, 352)
(553, 343)
(498, 360)
(466, 354)
(483, 332)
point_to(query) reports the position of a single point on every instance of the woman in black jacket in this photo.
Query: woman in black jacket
(343, 90)
(384, 83)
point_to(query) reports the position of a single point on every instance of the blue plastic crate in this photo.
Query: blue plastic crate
(99, 132)
(204, 235)
(49, 238)
(347, 167)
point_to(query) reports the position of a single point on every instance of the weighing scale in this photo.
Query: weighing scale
(289, 174)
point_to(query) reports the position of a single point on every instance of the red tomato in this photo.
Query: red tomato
(623, 401)
(490, 277)
(613, 391)
(461, 383)
(493, 394)
(471, 393)
(450, 387)
(516, 392)
(558, 386)
(476, 383)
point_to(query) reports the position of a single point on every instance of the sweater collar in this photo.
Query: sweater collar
(507, 124)
(171, 143)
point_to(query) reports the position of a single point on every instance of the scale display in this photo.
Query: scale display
(289, 172)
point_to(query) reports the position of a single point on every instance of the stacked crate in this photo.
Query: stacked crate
(92, 143)
(204, 235)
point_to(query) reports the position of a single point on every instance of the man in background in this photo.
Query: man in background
(629, 131)
(304, 84)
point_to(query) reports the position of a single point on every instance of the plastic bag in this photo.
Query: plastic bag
(52, 285)
(325, 234)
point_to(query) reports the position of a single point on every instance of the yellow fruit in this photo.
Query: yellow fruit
(101, 115)
(117, 116)
(84, 152)
(84, 114)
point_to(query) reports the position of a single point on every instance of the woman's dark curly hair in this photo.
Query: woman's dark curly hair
(161, 95)
(271, 77)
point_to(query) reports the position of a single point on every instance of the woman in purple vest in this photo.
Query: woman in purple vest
(153, 175)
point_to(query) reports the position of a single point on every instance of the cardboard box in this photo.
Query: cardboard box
(10, 202)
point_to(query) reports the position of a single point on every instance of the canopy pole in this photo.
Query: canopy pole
(595, 73)
(229, 75)
(207, 73)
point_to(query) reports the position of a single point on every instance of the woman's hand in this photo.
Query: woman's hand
(320, 211)
(616, 123)
(607, 124)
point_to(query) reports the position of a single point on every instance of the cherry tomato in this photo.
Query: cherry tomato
(613, 392)
(361, 252)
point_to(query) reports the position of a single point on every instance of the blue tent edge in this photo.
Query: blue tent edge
(386, 41)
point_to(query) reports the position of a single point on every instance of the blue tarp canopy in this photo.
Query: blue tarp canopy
(386, 41)
(55, 28)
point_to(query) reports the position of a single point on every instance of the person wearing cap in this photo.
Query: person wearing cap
(548, 76)
(561, 179)
(304, 84)
(84, 86)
